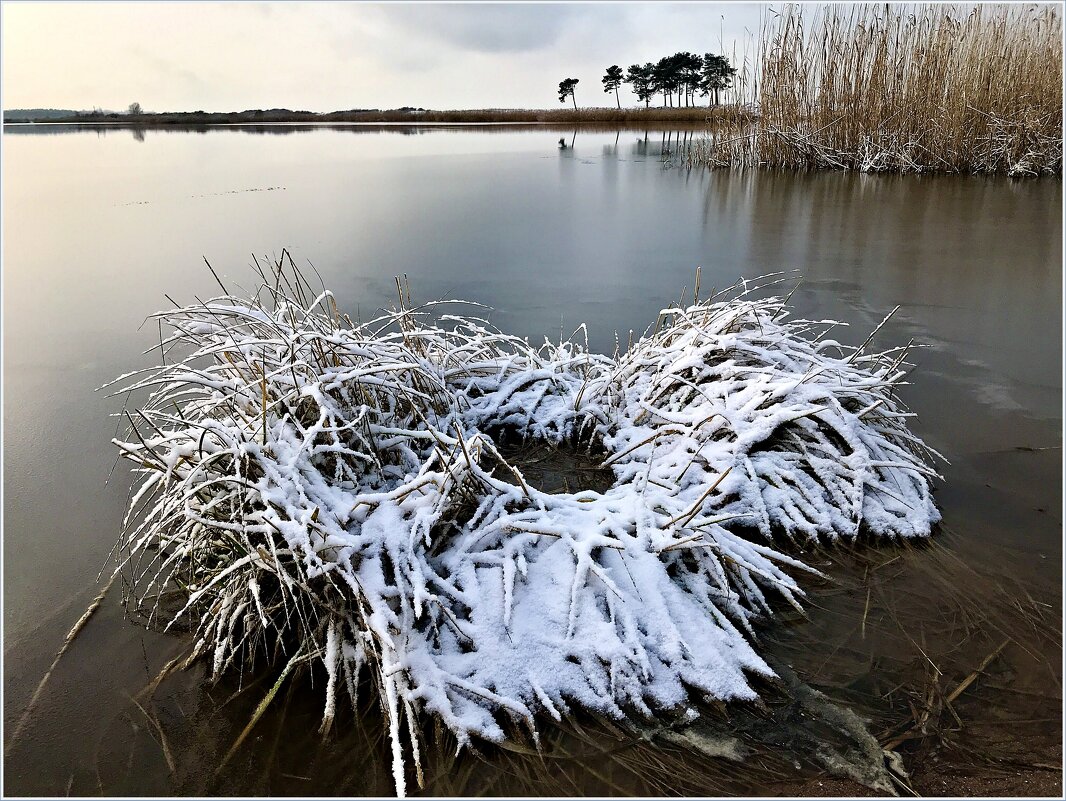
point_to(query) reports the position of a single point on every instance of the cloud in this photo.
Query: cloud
(485, 28)
(160, 68)
(324, 56)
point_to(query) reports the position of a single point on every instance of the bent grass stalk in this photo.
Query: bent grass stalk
(75, 630)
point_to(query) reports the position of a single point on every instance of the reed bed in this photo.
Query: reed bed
(902, 88)
(321, 492)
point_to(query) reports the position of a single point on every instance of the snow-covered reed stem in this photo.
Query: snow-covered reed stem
(320, 489)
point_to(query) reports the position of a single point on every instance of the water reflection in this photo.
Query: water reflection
(550, 227)
(283, 128)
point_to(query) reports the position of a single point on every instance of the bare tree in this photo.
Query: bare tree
(134, 108)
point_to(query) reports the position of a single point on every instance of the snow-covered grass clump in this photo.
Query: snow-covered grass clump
(321, 490)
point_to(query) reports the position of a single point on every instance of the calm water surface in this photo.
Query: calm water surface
(549, 228)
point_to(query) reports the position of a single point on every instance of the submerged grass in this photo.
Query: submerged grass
(951, 659)
(902, 88)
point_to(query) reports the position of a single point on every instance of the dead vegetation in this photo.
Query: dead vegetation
(317, 492)
(902, 88)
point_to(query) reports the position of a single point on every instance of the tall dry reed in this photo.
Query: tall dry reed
(903, 88)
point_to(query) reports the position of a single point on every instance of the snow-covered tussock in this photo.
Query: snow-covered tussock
(321, 490)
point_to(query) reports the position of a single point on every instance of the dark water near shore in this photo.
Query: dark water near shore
(551, 229)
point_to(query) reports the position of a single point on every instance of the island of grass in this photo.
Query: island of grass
(321, 492)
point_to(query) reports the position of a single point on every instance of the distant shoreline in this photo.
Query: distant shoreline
(628, 116)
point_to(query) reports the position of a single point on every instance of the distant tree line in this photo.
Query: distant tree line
(678, 78)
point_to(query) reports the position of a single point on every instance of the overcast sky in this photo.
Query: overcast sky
(325, 56)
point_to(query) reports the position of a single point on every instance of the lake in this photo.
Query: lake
(550, 228)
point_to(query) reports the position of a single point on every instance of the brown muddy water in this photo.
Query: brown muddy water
(951, 650)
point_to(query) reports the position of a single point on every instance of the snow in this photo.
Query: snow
(339, 486)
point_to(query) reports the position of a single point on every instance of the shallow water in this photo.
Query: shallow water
(550, 228)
